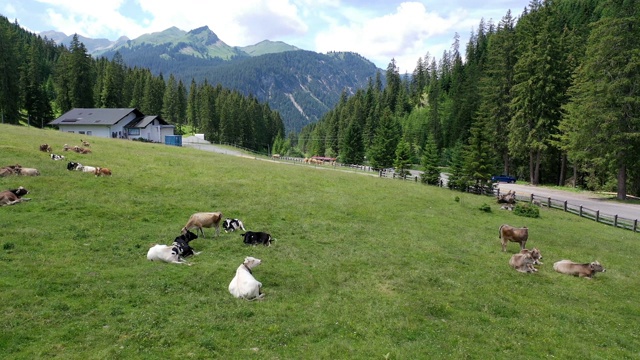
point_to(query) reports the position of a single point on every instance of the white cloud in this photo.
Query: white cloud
(236, 23)
(399, 35)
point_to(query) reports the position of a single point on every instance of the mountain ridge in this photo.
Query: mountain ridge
(300, 84)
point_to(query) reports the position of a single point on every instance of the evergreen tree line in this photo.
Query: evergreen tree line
(40, 80)
(551, 97)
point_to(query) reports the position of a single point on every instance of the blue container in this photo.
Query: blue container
(175, 140)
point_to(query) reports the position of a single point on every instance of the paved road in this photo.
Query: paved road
(197, 143)
(588, 200)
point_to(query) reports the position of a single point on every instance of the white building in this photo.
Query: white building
(114, 123)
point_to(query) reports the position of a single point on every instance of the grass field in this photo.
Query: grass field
(363, 267)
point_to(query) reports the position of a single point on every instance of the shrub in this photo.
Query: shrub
(526, 210)
(485, 207)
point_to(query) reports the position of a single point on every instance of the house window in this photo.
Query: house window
(81, 132)
(134, 131)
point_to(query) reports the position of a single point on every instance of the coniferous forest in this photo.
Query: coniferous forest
(40, 80)
(551, 95)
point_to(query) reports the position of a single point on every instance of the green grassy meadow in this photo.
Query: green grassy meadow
(363, 267)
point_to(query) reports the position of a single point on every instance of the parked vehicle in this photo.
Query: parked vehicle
(503, 178)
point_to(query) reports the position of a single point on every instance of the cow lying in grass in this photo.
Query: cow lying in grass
(244, 285)
(232, 225)
(255, 238)
(13, 196)
(525, 259)
(176, 252)
(569, 267)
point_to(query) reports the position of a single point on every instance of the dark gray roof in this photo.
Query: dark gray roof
(88, 116)
(142, 123)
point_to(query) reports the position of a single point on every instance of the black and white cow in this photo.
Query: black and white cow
(72, 165)
(57, 157)
(182, 244)
(257, 237)
(232, 225)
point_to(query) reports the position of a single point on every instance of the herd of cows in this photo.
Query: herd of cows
(244, 285)
(525, 260)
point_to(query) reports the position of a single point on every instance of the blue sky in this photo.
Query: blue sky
(376, 29)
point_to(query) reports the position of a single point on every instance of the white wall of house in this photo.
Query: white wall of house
(89, 130)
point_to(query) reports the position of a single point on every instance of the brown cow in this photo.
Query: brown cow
(45, 148)
(535, 254)
(569, 267)
(510, 233)
(522, 262)
(9, 170)
(14, 196)
(508, 198)
(102, 171)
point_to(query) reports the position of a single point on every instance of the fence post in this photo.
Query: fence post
(580, 213)
(597, 215)
(498, 193)
(549, 203)
(635, 225)
(416, 178)
(531, 201)
(565, 206)
(615, 220)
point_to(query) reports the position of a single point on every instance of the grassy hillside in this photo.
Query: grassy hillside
(363, 268)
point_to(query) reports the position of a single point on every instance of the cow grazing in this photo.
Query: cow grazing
(102, 171)
(182, 243)
(28, 171)
(232, 225)
(569, 267)
(13, 196)
(57, 157)
(522, 262)
(244, 285)
(203, 220)
(255, 238)
(45, 148)
(510, 233)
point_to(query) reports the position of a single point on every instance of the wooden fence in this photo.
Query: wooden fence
(564, 205)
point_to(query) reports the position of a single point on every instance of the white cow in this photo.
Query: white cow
(166, 253)
(244, 285)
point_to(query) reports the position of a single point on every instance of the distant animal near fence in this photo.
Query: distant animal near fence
(596, 215)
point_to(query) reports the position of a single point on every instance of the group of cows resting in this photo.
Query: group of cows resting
(243, 285)
(525, 260)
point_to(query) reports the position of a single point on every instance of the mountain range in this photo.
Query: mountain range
(302, 85)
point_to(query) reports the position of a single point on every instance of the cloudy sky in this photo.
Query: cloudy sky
(379, 30)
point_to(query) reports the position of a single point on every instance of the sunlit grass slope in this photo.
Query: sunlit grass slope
(363, 267)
